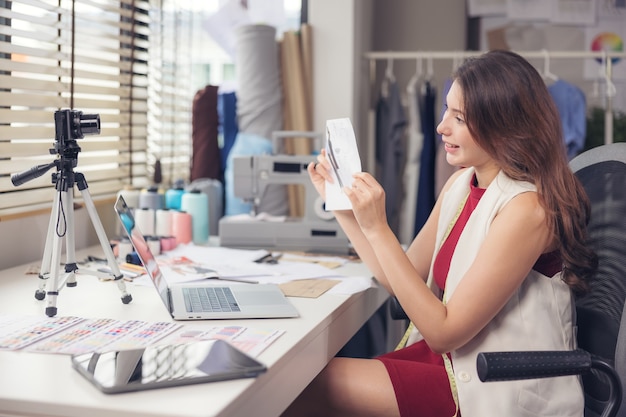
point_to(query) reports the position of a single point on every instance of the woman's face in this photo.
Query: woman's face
(461, 149)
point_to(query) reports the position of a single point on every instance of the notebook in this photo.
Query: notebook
(205, 299)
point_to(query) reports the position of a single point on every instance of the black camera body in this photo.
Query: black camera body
(70, 125)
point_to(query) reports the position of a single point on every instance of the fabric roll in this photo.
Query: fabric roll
(259, 97)
(259, 112)
(205, 162)
(227, 112)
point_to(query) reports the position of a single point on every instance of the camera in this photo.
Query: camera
(71, 125)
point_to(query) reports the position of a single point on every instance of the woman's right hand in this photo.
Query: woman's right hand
(319, 172)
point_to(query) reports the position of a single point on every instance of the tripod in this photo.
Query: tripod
(70, 125)
(63, 211)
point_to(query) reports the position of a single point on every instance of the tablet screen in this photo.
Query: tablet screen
(166, 366)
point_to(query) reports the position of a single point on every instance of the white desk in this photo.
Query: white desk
(46, 385)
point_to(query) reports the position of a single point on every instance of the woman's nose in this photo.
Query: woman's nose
(441, 128)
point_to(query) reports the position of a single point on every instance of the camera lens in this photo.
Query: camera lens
(86, 124)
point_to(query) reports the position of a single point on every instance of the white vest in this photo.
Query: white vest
(539, 316)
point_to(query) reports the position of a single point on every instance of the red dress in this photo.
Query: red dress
(418, 374)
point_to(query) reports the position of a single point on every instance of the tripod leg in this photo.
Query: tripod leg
(70, 240)
(52, 284)
(46, 262)
(104, 242)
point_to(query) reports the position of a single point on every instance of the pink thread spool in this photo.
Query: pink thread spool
(181, 227)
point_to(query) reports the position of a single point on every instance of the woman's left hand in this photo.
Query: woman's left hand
(368, 201)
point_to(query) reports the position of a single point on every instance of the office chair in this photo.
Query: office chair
(601, 317)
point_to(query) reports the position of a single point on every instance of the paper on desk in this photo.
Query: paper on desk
(259, 217)
(307, 288)
(352, 285)
(210, 261)
(252, 340)
(343, 153)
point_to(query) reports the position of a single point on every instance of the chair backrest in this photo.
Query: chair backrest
(601, 313)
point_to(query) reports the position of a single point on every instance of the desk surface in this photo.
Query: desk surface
(46, 385)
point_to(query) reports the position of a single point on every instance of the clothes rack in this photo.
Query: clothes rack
(606, 57)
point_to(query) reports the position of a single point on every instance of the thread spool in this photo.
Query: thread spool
(163, 223)
(154, 243)
(196, 203)
(168, 243)
(124, 247)
(181, 227)
(173, 198)
(133, 258)
(151, 198)
(144, 221)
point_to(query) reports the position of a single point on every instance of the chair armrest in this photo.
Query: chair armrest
(507, 366)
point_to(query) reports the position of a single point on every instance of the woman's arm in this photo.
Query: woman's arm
(420, 251)
(516, 238)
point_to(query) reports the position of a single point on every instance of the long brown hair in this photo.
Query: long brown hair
(510, 114)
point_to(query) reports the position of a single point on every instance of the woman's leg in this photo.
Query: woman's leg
(347, 387)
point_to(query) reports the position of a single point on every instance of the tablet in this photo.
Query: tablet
(166, 366)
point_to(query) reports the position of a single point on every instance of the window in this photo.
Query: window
(125, 62)
(136, 64)
(170, 93)
(84, 55)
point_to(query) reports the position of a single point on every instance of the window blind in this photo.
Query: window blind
(87, 55)
(170, 91)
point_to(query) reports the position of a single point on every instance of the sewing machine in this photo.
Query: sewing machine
(316, 231)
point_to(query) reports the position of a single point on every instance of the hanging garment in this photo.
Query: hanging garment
(426, 182)
(415, 141)
(390, 123)
(227, 111)
(572, 105)
(443, 169)
(205, 159)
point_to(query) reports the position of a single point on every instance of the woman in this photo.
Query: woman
(494, 268)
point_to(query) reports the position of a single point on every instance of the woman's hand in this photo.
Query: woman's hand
(368, 201)
(319, 172)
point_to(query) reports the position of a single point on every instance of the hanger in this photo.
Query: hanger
(417, 76)
(611, 90)
(547, 74)
(388, 78)
(429, 69)
(389, 72)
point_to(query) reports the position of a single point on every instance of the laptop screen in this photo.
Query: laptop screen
(138, 241)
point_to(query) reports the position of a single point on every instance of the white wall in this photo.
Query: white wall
(344, 31)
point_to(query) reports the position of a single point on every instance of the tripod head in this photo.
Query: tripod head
(70, 125)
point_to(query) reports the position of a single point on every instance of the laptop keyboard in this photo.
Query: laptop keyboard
(198, 299)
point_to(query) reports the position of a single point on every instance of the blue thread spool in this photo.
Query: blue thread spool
(196, 203)
(173, 198)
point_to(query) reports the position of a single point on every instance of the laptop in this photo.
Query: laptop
(206, 299)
